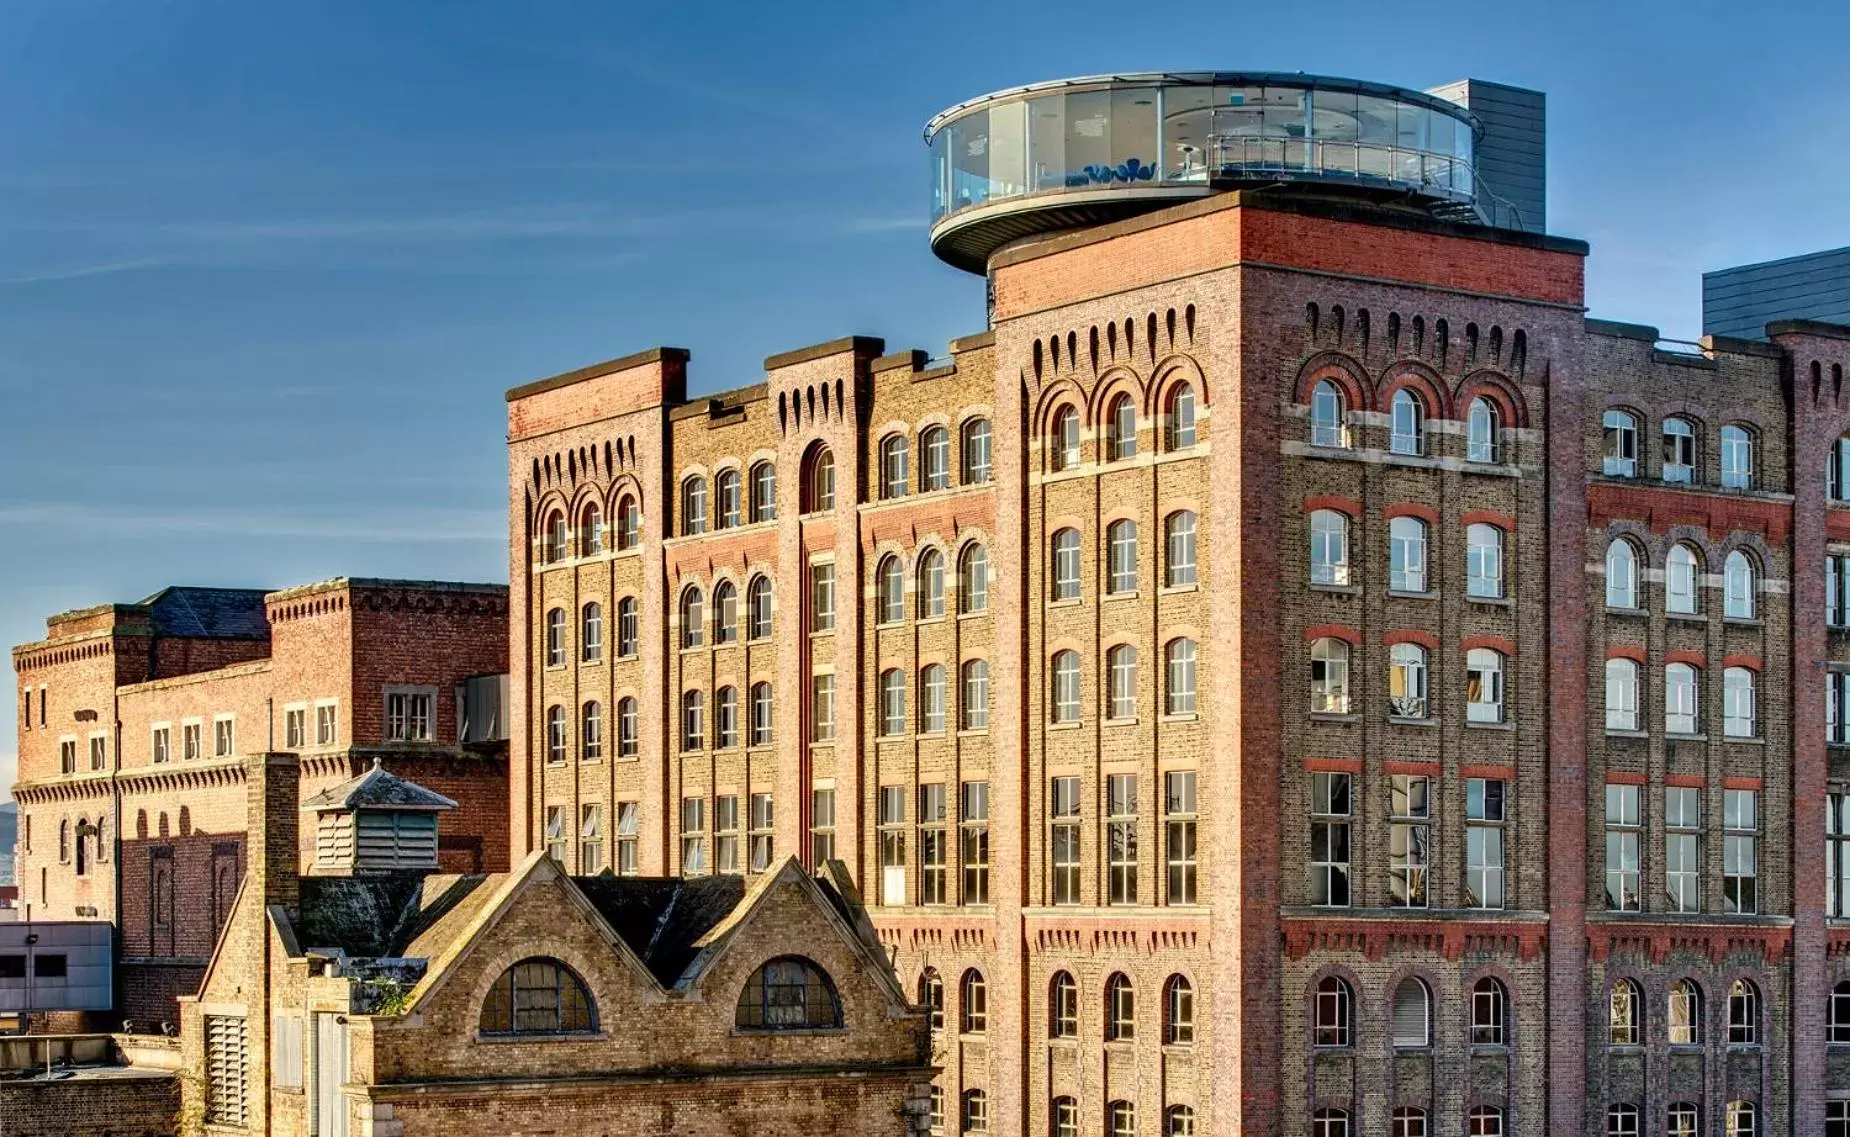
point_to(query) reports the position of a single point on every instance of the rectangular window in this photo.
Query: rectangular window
(555, 832)
(1122, 541)
(1063, 798)
(934, 845)
(163, 744)
(1837, 845)
(975, 841)
(821, 708)
(629, 834)
(1740, 853)
(726, 833)
(628, 728)
(1837, 590)
(227, 1070)
(1682, 862)
(1409, 840)
(762, 720)
(693, 836)
(287, 1059)
(761, 834)
(326, 727)
(1121, 838)
(1623, 834)
(821, 826)
(99, 751)
(1484, 841)
(1837, 708)
(1179, 835)
(822, 597)
(295, 727)
(1329, 840)
(1407, 555)
(591, 840)
(892, 822)
(192, 737)
(408, 716)
(67, 756)
(223, 743)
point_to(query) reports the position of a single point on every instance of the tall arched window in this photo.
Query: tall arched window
(975, 1112)
(1408, 423)
(1743, 1014)
(890, 590)
(591, 632)
(1620, 442)
(1330, 1013)
(725, 613)
(1484, 1121)
(1330, 1123)
(895, 475)
(1179, 1121)
(1737, 457)
(973, 580)
(1121, 429)
(788, 993)
(1329, 547)
(553, 538)
(1738, 586)
(764, 492)
(1064, 1118)
(1483, 561)
(628, 728)
(1682, 1119)
(591, 530)
(538, 996)
(731, 499)
(974, 1005)
(693, 506)
(1329, 677)
(693, 617)
(931, 994)
(763, 722)
(1179, 677)
(1622, 574)
(1066, 694)
(1407, 681)
(759, 604)
(1738, 711)
(1406, 555)
(931, 585)
(629, 524)
(1484, 696)
(1680, 579)
(1837, 1014)
(1408, 1121)
(591, 731)
(892, 702)
(693, 720)
(1679, 451)
(1121, 668)
(726, 717)
(1622, 1012)
(1178, 1011)
(1063, 1007)
(1741, 1119)
(555, 637)
(1685, 1013)
(1120, 1009)
(1328, 410)
(1622, 1121)
(1482, 426)
(932, 698)
(934, 459)
(1179, 424)
(973, 698)
(1063, 444)
(1120, 1119)
(819, 481)
(1121, 556)
(1621, 694)
(978, 464)
(1412, 1014)
(1680, 710)
(1179, 549)
(1066, 564)
(1489, 1006)
(629, 627)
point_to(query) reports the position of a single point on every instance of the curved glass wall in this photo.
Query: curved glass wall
(1178, 131)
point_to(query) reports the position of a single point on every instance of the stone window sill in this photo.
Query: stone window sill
(1402, 594)
(1178, 589)
(1496, 601)
(1337, 589)
(1469, 725)
(1398, 720)
(1334, 716)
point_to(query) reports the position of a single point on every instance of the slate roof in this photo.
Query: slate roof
(209, 613)
(663, 919)
(373, 917)
(377, 788)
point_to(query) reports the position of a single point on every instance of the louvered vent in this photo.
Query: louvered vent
(227, 1070)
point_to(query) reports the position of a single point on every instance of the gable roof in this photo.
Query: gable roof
(377, 788)
(663, 919)
(209, 613)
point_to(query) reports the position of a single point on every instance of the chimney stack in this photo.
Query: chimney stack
(273, 805)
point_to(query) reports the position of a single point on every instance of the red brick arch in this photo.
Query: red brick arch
(1502, 644)
(1498, 389)
(1348, 507)
(1341, 632)
(1412, 636)
(1417, 509)
(1423, 381)
(1346, 373)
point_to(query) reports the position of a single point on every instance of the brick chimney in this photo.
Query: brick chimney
(273, 805)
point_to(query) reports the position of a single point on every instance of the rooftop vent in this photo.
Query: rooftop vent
(376, 823)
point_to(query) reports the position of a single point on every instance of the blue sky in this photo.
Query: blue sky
(266, 269)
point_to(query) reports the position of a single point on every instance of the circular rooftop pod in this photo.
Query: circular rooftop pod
(1080, 152)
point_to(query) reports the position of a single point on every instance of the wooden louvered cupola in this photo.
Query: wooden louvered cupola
(376, 823)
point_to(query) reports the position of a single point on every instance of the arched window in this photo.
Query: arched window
(1121, 429)
(1329, 677)
(726, 717)
(1328, 411)
(1179, 432)
(725, 613)
(1408, 415)
(693, 617)
(591, 530)
(1406, 555)
(931, 995)
(1837, 470)
(975, 1112)
(1680, 710)
(1741, 1119)
(1680, 579)
(555, 637)
(591, 731)
(1737, 457)
(1622, 574)
(1837, 1014)
(1066, 691)
(553, 539)
(1120, 1009)
(1408, 1122)
(895, 458)
(974, 698)
(764, 492)
(731, 499)
(591, 632)
(1482, 426)
(1121, 669)
(1489, 1003)
(1064, 1119)
(1622, 1121)
(1179, 1122)
(538, 996)
(974, 1008)
(1620, 459)
(931, 585)
(1682, 1119)
(1743, 1014)
(1483, 561)
(759, 605)
(1063, 443)
(1178, 1012)
(629, 524)
(819, 481)
(1685, 1013)
(1483, 685)
(1329, 547)
(1329, 1123)
(693, 506)
(892, 702)
(1063, 1007)
(1121, 557)
(973, 580)
(628, 729)
(693, 720)
(1412, 1015)
(1484, 1121)
(628, 626)
(788, 993)
(1738, 586)
(763, 721)
(890, 590)
(1407, 680)
(1066, 564)
(1179, 677)
(1179, 549)
(1621, 694)
(1120, 1119)
(1738, 713)
(1679, 451)
(977, 462)
(934, 459)
(1330, 1014)
(932, 699)
(1623, 1007)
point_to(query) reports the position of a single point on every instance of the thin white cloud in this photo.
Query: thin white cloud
(352, 524)
(883, 224)
(50, 275)
(9, 773)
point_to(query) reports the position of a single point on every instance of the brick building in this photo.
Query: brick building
(1292, 673)
(135, 720)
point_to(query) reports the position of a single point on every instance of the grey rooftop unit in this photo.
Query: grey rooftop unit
(57, 966)
(1742, 301)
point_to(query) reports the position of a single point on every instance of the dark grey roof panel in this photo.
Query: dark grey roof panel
(209, 613)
